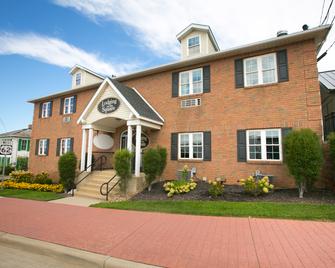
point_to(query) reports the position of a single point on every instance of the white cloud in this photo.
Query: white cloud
(156, 23)
(57, 52)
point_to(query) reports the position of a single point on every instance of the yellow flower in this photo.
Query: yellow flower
(265, 190)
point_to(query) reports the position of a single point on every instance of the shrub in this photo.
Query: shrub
(122, 164)
(151, 165)
(10, 184)
(331, 142)
(8, 169)
(42, 178)
(216, 188)
(303, 156)
(256, 187)
(67, 170)
(179, 187)
(22, 176)
(163, 154)
(22, 163)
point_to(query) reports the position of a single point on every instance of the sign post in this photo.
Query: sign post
(5, 149)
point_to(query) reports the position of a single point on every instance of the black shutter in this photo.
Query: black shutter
(71, 144)
(61, 108)
(36, 146)
(282, 66)
(239, 78)
(284, 132)
(47, 147)
(175, 84)
(58, 147)
(241, 145)
(40, 110)
(50, 111)
(74, 104)
(174, 146)
(207, 146)
(206, 72)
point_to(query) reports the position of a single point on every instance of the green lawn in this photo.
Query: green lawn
(238, 209)
(28, 194)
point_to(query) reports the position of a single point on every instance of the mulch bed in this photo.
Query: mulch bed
(235, 193)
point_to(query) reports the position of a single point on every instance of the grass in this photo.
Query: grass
(28, 194)
(300, 211)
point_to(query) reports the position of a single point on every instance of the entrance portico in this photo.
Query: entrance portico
(115, 105)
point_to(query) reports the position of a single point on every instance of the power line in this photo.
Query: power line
(323, 5)
(327, 14)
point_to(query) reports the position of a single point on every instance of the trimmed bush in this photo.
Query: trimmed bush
(22, 163)
(151, 165)
(42, 178)
(67, 164)
(163, 157)
(22, 176)
(122, 163)
(303, 156)
(331, 142)
(8, 169)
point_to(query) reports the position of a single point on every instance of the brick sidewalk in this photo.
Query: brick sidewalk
(174, 240)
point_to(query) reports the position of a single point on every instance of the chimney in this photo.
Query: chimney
(281, 33)
(30, 126)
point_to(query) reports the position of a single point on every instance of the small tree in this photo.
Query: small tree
(22, 163)
(67, 164)
(151, 165)
(163, 157)
(122, 164)
(303, 156)
(331, 142)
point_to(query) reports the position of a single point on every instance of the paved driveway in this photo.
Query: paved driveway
(174, 240)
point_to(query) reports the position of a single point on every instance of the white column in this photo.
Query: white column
(130, 138)
(90, 149)
(83, 150)
(138, 150)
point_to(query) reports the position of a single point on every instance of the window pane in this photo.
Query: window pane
(252, 79)
(251, 65)
(197, 75)
(184, 82)
(184, 140)
(254, 137)
(269, 76)
(194, 41)
(268, 62)
(197, 139)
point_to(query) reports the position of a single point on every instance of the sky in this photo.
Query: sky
(40, 40)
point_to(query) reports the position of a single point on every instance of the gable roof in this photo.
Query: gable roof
(327, 79)
(20, 133)
(131, 97)
(199, 27)
(77, 66)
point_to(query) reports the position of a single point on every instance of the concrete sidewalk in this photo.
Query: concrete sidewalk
(76, 201)
(174, 240)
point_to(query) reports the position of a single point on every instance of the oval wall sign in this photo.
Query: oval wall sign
(108, 105)
(103, 141)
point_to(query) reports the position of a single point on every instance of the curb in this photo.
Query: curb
(80, 258)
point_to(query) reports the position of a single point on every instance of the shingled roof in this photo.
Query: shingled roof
(21, 133)
(327, 79)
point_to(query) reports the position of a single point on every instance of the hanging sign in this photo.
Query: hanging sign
(108, 105)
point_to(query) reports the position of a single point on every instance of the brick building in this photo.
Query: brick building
(222, 112)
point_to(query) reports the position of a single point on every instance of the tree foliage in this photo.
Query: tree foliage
(122, 163)
(151, 165)
(67, 164)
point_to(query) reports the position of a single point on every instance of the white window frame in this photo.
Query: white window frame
(263, 145)
(188, 48)
(68, 109)
(260, 70)
(67, 143)
(190, 80)
(26, 145)
(76, 79)
(190, 139)
(42, 147)
(45, 109)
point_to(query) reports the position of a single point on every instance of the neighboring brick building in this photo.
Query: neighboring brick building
(234, 107)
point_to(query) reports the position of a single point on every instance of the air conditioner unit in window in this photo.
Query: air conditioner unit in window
(190, 103)
(66, 119)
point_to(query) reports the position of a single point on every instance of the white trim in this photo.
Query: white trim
(138, 150)
(188, 48)
(42, 142)
(77, 66)
(80, 79)
(190, 141)
(47, 103)
(260, 70)
(190, 81)
(263, 145)
(134, 122)
(148, 104)
(69, 105)
(67, 141)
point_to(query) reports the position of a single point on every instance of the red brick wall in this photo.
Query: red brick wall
(225, 109)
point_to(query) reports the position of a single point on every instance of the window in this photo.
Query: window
(42, 147)
(69, 105)
(260, 70)
(78, 79)
(24, 145)
(190, 103)
(46, 109)
(65, 146)
(191, 145)
(193, 45)
(264, 144)
(190, 82)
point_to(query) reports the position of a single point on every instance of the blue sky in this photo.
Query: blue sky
(41, 39)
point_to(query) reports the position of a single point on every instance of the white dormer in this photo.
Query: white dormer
(82, 76)
(197, 40)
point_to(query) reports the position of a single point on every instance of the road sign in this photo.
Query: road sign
(6, 149)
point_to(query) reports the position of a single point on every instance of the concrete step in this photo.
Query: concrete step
(90, 195)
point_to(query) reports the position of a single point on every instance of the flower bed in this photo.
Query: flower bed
(179, 187)
(56, 188)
